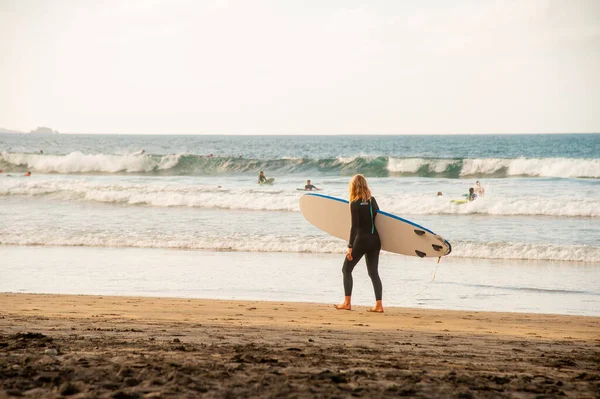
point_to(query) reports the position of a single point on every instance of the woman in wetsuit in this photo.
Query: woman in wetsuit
(364, 240)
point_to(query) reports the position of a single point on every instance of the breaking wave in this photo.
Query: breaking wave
(188, 164)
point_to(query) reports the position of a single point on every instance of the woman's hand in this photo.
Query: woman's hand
(349, 254)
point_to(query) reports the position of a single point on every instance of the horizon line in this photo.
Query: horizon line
(296, 134)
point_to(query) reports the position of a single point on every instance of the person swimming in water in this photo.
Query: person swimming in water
(471, 196)
(479, 190)
(261, 177)
(310, 187)
(364, 240)
(27, 174)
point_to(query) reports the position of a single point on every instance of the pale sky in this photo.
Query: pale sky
(300, 67)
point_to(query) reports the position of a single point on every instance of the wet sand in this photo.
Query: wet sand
(127, 347)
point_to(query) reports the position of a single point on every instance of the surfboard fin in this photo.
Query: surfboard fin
(436, 247)
(419, 253)
(419, 232)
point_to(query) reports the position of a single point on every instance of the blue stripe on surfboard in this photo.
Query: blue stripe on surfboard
(382, 212)
(328, 197)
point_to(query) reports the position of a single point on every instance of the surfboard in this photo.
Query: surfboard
(398, 235)
(459, 202)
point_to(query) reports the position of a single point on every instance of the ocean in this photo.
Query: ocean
(531, 243)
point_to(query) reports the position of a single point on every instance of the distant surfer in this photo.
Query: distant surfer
(471, 196)
(28, 174)
(479, 190)
(364, 240)
(261, 177)
(310, 187)
(439, 194)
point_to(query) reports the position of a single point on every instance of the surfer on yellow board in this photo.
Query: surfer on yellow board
(468, 197)
(471, 196)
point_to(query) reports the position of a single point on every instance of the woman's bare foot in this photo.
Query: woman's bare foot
(378, 307)
(343, 306)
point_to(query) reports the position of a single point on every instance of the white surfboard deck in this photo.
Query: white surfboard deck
(398, 235)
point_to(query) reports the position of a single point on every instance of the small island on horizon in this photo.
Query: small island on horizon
(39, 130)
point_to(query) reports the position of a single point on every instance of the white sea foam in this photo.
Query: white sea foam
(489, 205)
(520, 251)
(534, 167)
(345, 160)
(412, 165)
(290, 243)
(168, 161)
(537, 167)
(168, 195)
(159, 195)
(77, 162)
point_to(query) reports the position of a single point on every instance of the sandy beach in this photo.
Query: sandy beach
(131, 347)
(181, 183)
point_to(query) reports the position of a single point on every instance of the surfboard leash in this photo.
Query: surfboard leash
(432, 278)
(423, 290)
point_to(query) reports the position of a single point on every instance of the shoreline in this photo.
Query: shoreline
(468, 285)
(37, 305)
(139, 347)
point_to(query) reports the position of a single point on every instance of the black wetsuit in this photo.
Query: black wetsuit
(310, 187)
(364, 240)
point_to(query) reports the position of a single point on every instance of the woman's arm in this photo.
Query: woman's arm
(354, 206)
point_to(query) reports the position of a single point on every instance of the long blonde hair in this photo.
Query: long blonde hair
(358, 189)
